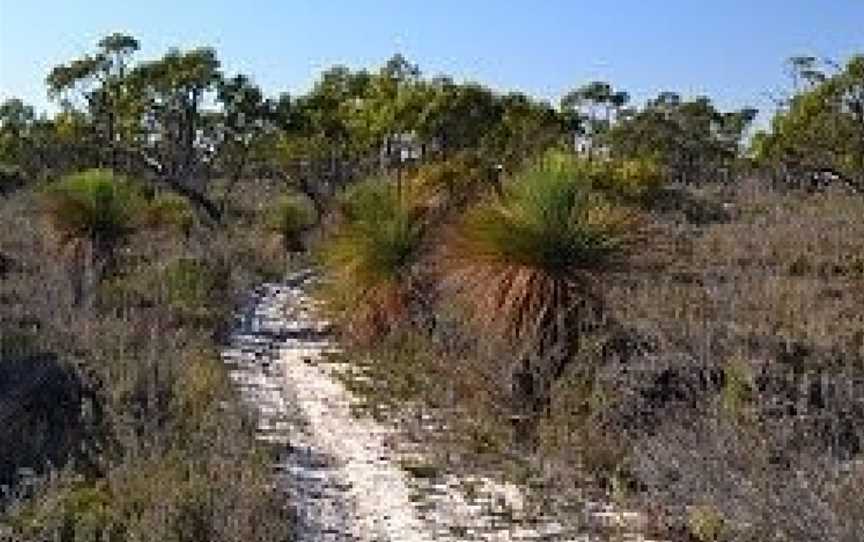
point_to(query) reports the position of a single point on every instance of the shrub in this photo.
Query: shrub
(289, 218)
(452, 182)
(200, 385)
(632, 180)
(169, 211)
(11, 179)
(193, 288)
(96, 206)
(525, 268)
(369, 258)
(531, 257)
(706, 523)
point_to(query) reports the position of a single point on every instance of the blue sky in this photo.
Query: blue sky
(731, 50)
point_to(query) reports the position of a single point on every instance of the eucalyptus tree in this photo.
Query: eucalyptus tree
(240, 128)
(325, 132)
(691, 139)
(458, 116)
(591, 110)
(16, 126)
(101, 79)
(822, 128)
(174, 88)
(171, 93)
(524, 129)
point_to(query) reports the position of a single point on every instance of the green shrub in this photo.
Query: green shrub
(169, 211)
(522, 261)
(369, 258)
(290, 217)
(737, 394)
(11, 178)
(94, 205)
(198, 388)
(455, 181)
(193, 288)
(15, 344)
(632, 180)
(706, 524)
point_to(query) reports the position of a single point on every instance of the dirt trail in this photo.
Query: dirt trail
(342, 479)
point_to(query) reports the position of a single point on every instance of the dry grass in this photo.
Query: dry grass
(163, 448)
(747, 299)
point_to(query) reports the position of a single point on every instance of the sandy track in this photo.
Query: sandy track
(342, 479)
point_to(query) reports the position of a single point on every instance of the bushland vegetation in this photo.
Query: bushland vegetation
(634, 302)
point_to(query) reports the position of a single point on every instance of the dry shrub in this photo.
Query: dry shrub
(453, 182)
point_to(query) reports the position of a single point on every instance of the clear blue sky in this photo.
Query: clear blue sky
(731, 50)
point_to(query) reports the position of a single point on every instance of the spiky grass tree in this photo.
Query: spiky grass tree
(369, 258)
(527, 267)
(91, 214)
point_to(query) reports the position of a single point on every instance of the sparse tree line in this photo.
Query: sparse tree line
(181, 122)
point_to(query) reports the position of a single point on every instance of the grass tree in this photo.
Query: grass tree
(527, 267)
(91, 214)
(369, 258)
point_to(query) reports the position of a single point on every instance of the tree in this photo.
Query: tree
(245, 120)
(170, 92)
(101, 78)
(822, 128)
(690, 139)
(16, 124)
(458, 116)
(525, 129)
(591, 110)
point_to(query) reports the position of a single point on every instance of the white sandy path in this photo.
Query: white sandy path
(378, 486)
(341, 478)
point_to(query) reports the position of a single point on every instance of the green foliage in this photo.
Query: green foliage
(370, 257)
(456, 180)
(631, 180)
(822, 128)
(11, 178)
(527, 259)
(197, 390)
(691, 140)
(15, 344)
(96, 206)
(193, 287)
(290, 217)
(737, 394)
(547, 220)
(168, 210)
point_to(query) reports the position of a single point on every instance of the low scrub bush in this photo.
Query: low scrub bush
(453, 182)
(169, 211)
(631, 180)
(193, 288)
(292, 215)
